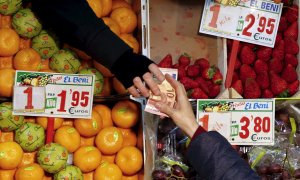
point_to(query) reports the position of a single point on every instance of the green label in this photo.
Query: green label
(51, 103)
(116, 136)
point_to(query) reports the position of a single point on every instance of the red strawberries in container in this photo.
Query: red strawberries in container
(200, 79)
(273, 72)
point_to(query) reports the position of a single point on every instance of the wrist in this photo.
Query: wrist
(191, 129)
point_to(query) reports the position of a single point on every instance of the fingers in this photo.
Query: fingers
(138, 83)
(156, 72)
(179, 89)
(164, 108)
(148, 78)
(133, 91)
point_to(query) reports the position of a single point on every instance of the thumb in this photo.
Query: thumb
(164, 108)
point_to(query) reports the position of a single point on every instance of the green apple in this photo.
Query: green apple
(99, 82)
(26, 24)
(9, 122)
(8, 7)
(30, 136)
(69, 172)
(52, 157)
(44, 44)
(64, 61)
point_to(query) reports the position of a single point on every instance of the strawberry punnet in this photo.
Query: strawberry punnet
(166, 62)
(251, 89)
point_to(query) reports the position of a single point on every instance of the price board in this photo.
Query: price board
(53, 94)
(240, 121)
(253, 21)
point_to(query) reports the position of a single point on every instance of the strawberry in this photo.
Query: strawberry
(292, 31)
(188, 83)
(293, 87)
(263, 80)
(166, 62)
(235, 76)
(217, 78)
(275, 65)
(289, 74)
(260, 66)
(208, 73)
(278, 38)
(267, 93)
(292, 14)
(264, 53)
(291, 59)
(214, 91)
(283, 24)
(181, 72)
(291, 47)
(251, 46)
(237, 64)
(278, 84)
(238, 86)
(197, 93)
(247, 55)
(193, 70)
(251, 89)
(246, 72)
(204, 85)
(184, 60)
(176, 66)
(203, 63)
(278, 51)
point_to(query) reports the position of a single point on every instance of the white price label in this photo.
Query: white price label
(253, 21)
(240, 121)
(53, 94)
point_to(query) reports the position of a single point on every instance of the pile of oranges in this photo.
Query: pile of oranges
(104, 147)
(17, 53)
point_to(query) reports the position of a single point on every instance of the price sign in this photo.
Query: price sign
(53, 94)
(253, 21)
(240, 121)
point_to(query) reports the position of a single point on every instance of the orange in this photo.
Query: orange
(5, 21)
(6, 82)
(109, 140)
(29, 119)
(106, 7)
(6, 62)
(9, 42)
(68, 137)
(88, 176)
(113, 25)
(25, 43)
(30, 172)
(118, 86)
(133, 177)
(7, 174)
(89, 127)
(68, 122)
(27, 59)
(11, 155)
(108, 171)
(126, 18)
(108, 158)
(102, 69)
(105, 113)
(28, 158)
(44, 64)
(43, 121)
(120, 3)
(125, 114)
(131, 41)
(87, 158)
(87, 141)
(96, 6)
(130, 160)
(129, 136)
(107, 87)
(7, 137)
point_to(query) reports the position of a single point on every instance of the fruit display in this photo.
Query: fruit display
(263, 72)
(200, 79)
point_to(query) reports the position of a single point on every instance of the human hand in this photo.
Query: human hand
(182, 113)
(139, 88)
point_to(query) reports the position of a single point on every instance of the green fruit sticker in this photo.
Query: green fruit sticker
(89, 148)
(9, 7)
(95, 124)
(2, 154)
(26, 24)
(71, 130)
(116, 136)
(44, 44)
(30, 168)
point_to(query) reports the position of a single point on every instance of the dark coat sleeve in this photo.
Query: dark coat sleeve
(213, 158)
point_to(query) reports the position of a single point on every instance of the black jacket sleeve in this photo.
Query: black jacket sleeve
(213, 158)
(76, 24)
